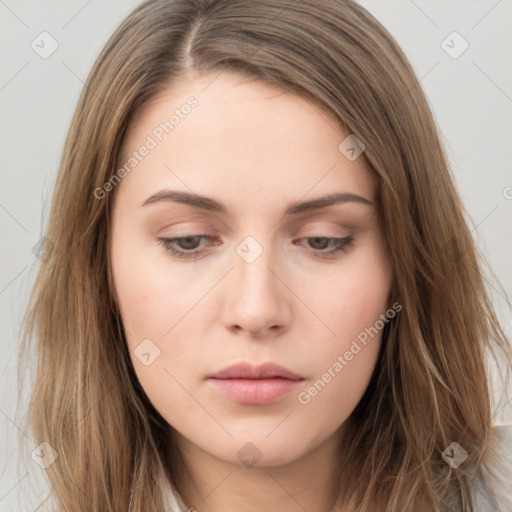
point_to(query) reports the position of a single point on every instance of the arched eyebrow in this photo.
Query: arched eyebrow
(294, 208)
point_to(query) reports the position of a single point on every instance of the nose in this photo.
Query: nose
(257, 300)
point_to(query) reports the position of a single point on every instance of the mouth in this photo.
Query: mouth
(255, 385)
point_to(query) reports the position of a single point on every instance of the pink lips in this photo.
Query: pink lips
(255, 385)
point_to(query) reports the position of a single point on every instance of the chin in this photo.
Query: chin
(257, 450)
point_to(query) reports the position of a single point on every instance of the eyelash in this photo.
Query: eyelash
(343, 245)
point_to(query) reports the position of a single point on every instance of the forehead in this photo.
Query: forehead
(242, 135)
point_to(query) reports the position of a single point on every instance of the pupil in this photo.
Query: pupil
(323, 242)
(185, 242)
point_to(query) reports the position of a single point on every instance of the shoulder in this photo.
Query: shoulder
(494, 493)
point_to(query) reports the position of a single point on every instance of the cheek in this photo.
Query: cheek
(355, 297)
(352, 305)
(152, 301)
(161, 312)
(152, 295)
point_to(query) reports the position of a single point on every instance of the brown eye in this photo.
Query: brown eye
(184, 246)
(320, 243)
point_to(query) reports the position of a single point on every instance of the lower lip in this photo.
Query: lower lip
(256, 391)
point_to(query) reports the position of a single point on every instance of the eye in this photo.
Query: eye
(319, 243)
(188, 245)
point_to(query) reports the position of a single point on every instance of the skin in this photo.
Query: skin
(255, 149)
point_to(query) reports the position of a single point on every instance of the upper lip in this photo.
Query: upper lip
(249, 371)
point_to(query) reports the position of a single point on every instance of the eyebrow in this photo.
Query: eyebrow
(295, 208)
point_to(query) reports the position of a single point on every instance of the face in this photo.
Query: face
(221, 257)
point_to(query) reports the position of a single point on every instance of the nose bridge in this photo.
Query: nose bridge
(252, 266)
(256, 299)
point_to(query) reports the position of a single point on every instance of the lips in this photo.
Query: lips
(255, 385)
(248, 371)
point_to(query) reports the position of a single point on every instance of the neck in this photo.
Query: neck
(214, 485)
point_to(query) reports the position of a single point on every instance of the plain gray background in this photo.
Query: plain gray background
(470, 95)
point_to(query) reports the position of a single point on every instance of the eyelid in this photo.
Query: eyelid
(323, 226)
(188, 228)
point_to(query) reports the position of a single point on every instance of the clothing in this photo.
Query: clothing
(494, 494)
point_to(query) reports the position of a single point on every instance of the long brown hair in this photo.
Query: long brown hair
(430, 386)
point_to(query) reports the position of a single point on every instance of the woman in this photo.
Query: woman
(262, 290)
